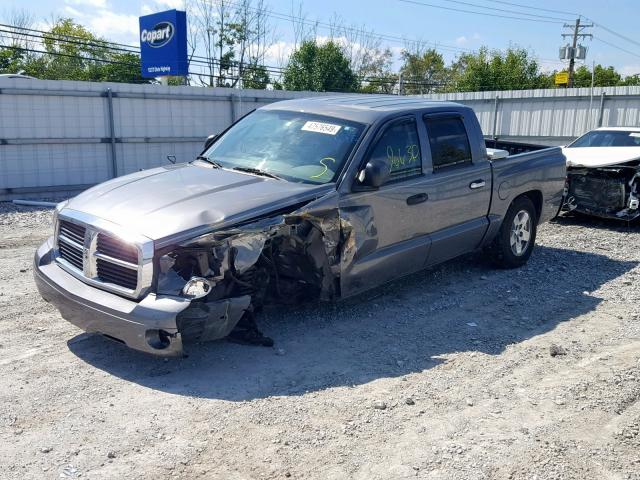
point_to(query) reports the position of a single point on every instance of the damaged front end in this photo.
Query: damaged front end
(231, 274)
(607, 192)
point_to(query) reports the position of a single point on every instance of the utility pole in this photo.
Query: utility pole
(210, 50)
(575, 52)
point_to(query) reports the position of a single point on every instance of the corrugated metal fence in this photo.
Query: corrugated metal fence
(61, 136)
(553, 117)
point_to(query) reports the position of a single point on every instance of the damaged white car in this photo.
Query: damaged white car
(603, 171)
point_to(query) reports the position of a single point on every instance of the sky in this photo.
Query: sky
(449, 28)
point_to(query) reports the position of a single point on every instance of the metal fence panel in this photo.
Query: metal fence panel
(554, 116)
(61, 135)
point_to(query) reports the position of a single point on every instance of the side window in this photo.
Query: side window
(448, 141)
(400, 147)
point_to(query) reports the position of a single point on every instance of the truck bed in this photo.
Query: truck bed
(514, 148)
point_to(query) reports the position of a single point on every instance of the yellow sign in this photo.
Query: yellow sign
(562, 78)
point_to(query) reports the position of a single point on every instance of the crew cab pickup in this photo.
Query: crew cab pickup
(301, 200)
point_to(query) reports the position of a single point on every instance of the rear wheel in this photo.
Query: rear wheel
(514, 243)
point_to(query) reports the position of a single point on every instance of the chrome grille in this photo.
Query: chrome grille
(117, 261)
(115, 248)
(71, 243)
(116, 274)
(93, 250)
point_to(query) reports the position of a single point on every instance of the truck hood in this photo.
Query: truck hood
(595, 157)
(166, 201)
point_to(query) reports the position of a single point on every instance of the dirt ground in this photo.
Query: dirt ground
(459, 372)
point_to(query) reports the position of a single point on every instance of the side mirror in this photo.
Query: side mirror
(209, 141)
(375, 173)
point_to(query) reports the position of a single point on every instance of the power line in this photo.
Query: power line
(535, 8)
(374, 80)
(479, 13)
(59, 36)
(68, 55)
(41, 36)
(613, 32)
(378, 80)
(328, 26)
(616, 46)
(503, 10)
(47, 36)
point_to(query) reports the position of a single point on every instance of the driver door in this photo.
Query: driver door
(386, 233)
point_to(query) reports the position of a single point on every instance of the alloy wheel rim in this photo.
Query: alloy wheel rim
(520, 233)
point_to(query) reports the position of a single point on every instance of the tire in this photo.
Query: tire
(516, 239)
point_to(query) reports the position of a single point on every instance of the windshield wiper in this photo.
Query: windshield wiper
(209, 160)
(257, 171)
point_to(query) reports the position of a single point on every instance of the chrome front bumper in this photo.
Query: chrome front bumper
(148, 325)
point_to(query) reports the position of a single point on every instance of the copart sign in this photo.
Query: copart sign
(161, 34)
(163, 44)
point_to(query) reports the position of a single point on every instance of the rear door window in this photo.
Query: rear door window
(448, 141)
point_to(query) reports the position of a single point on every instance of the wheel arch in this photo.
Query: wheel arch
(536, 198)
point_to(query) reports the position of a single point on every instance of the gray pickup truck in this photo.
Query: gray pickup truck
(301, 200)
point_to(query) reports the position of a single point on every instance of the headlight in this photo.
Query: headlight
(197, 287)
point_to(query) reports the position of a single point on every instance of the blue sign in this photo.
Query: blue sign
(163, 44)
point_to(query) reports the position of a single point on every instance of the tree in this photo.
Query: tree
(423, 71)
(255, 76)
(603, 77)
(71, 52)
(319, 68)
(126, 68)
(11, 61)
(486, 70)
(376, 72)
(631, 80)
(237, 33)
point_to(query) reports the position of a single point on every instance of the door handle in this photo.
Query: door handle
(477, 184)
(418, 198)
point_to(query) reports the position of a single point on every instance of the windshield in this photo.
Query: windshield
(608, 138)
(296, 146)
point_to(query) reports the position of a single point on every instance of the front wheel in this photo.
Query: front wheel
(514, 243)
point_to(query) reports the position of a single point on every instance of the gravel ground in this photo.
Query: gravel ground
(459, 372)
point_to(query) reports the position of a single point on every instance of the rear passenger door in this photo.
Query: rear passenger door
(459, 188)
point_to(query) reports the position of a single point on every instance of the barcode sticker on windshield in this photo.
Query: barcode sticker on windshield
(319, 127)
(635, 134)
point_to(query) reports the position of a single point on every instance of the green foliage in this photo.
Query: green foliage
(603, 77)
(126, 69)
(514, 69)
(73, 53)
(423, 72)
(255, 76)
(320, 68)
(376, 71)
(11, 61)
(632, 80)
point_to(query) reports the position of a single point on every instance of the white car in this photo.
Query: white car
(16, 75)
(603, 172)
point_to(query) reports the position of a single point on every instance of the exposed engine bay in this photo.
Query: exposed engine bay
(603, 167)
(609, 192)
(232, 274)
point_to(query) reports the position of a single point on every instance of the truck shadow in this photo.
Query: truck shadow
(404, 327)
